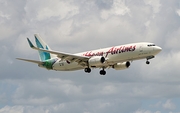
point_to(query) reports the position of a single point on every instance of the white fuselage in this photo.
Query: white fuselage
(113, 55)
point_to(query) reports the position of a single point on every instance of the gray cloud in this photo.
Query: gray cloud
(75, 26)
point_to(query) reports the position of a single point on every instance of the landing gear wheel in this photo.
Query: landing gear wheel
(147, 62)
(102, 72)
(87, 70)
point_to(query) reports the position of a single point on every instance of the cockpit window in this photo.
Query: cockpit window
(151, 45)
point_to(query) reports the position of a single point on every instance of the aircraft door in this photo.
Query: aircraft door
(140, 49)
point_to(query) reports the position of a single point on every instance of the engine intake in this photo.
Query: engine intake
(121, 66)
(96, 61)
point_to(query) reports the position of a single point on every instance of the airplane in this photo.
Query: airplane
(116, 57)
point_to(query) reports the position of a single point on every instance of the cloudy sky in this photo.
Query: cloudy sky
(79, 25)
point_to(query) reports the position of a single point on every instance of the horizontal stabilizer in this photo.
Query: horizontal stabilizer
(33, 61)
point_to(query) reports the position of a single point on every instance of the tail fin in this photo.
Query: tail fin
(41, 44)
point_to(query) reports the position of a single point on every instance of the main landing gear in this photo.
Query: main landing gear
(102, 72)
(87, 70)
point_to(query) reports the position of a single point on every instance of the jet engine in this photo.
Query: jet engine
(96, 60)
(121, 66)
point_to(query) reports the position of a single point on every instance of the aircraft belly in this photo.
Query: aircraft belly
(64, 66)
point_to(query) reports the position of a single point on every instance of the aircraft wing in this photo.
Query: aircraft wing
(66, 56)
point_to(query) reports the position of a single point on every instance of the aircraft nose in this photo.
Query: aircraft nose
(158, 49)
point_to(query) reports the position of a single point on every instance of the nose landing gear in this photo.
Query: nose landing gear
(147, 62)
(150, 57)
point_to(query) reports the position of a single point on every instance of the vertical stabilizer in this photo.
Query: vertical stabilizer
(41, 44)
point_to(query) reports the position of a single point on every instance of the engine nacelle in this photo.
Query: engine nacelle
(96, 60)
(121, 66)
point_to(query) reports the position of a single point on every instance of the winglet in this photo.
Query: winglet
(30, 43)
